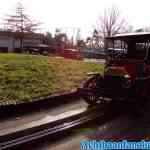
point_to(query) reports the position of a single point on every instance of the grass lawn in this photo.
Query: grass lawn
(26, 77)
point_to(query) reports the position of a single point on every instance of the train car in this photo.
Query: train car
(72, 54)
(127, 71)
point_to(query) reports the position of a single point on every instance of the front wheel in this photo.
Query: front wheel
(91, 95)
(91, 98)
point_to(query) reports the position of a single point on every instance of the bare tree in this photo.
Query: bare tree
(20, 23)
(110, 22)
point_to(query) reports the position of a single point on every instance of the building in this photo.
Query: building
(10, 41)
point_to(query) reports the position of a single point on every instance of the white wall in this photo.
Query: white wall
(11, 43)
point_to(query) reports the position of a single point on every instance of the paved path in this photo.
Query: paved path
(29, 119)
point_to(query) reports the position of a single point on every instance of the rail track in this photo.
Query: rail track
(101, 112)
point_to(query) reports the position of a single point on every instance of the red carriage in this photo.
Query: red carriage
(127, 70)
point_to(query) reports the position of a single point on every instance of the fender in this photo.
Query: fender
(93, 73)
(92, 80)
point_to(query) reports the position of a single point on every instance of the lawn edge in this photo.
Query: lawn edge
(52, 100)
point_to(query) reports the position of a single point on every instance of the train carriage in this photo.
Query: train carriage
(127, 71)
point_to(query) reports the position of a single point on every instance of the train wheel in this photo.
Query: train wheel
(91, 97)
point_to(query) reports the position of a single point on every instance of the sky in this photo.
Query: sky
(73, 14)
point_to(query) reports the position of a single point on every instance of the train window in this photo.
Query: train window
(137, 50)
(117, 47)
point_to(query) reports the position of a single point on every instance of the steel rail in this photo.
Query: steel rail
(59, 127)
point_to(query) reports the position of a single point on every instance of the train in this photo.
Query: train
(126, 74)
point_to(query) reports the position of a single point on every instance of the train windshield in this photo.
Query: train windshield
(128, 49)
(117, 48)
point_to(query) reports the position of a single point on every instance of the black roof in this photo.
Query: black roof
(136, 36)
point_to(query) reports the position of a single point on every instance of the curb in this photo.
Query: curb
(49, 101)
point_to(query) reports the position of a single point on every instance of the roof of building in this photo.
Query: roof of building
(136, 35)
(26, 34)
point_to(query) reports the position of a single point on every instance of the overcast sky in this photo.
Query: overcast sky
(79, 13)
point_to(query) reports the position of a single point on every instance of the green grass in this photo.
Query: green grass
(25, 77)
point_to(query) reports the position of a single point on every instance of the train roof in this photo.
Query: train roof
(129, 36)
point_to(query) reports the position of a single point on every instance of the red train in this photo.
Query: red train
(127, 71)
(72, 54)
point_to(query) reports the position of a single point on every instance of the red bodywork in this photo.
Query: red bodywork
(126, 73)
(132, 66)
(72, 54)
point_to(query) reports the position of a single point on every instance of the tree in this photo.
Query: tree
(80, 44)
(61, 39)
(110, 22)
(95, 41)
(139, 30)
(49, 40)
(20, 23)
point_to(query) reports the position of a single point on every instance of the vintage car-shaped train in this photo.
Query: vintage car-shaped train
(126, 73)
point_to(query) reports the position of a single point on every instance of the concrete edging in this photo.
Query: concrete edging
(52, 100)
